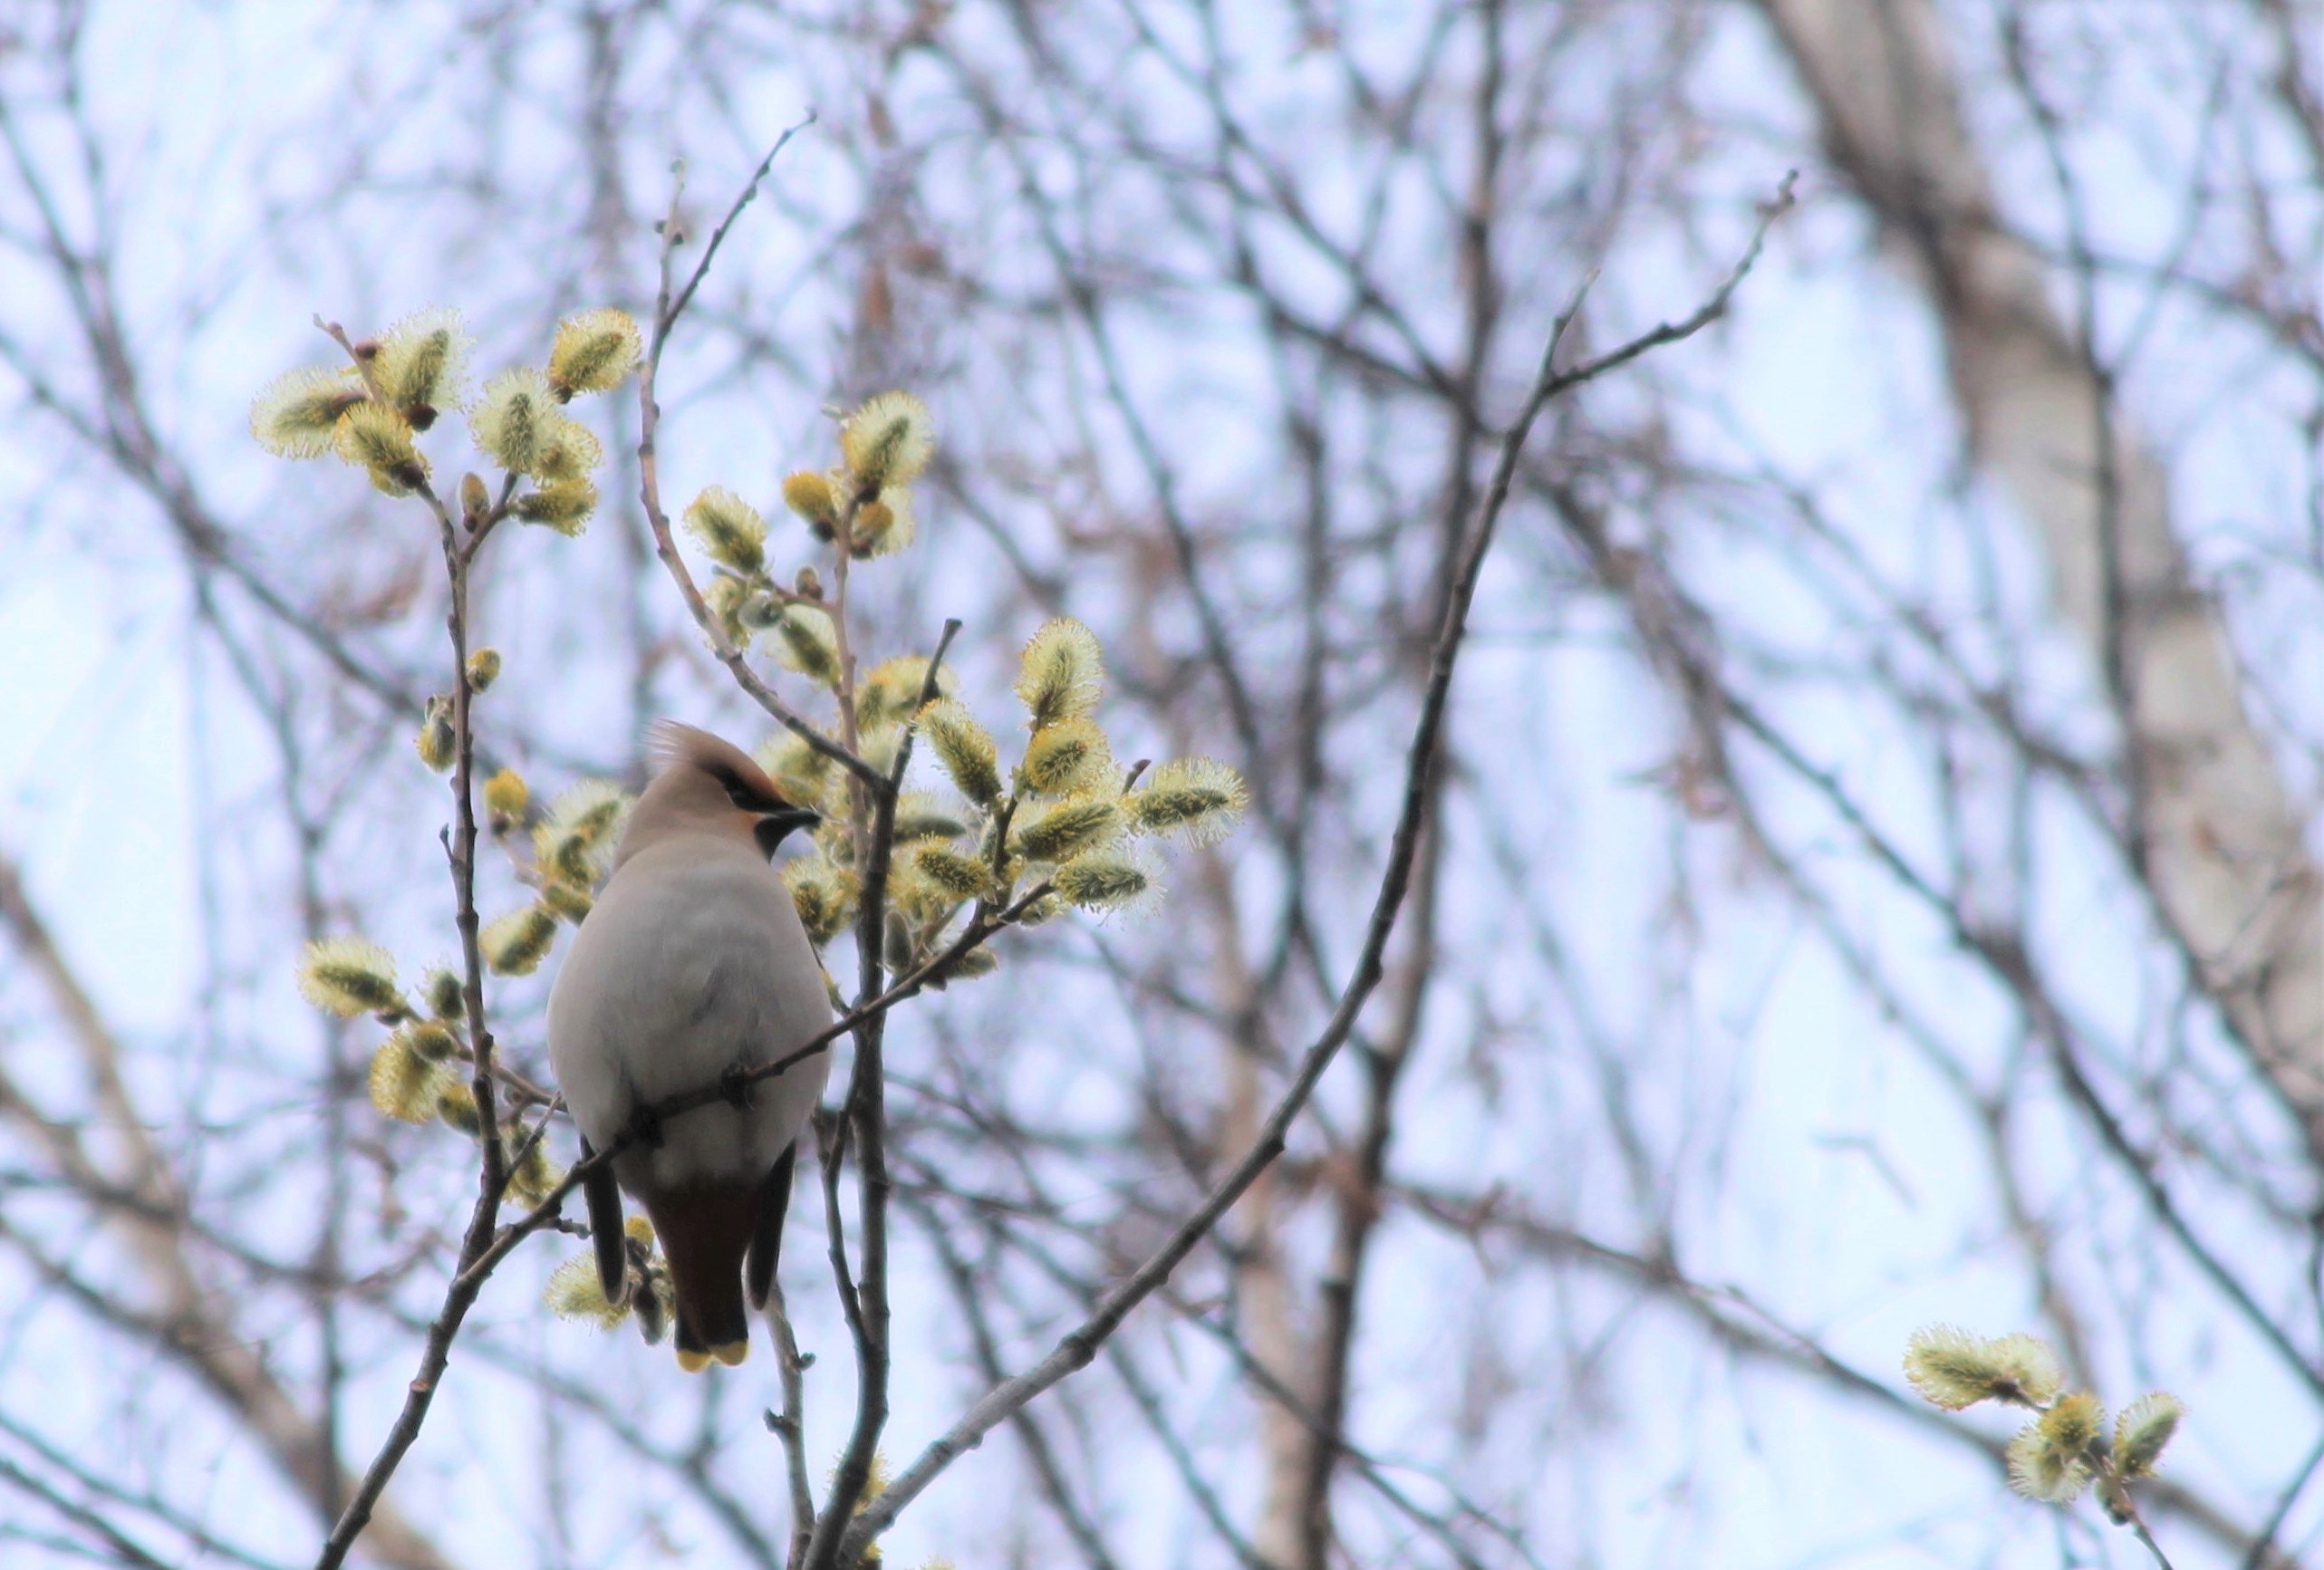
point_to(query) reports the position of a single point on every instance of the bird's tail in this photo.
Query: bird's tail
(705, 1229)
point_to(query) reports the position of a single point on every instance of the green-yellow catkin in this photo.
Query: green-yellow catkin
(569, 901)
(2144, 1426)
(567, 450)
(2073, 1421)
(507, 795)
(884, 526)
(474, 500)
(923, 815)
(456, 1104)
(348, 976)
(824, 894)
(2038, 1470)
(1199, 799)
(564, 506)
(403, 1084)
(297, 415)
(511, 420)
(421, 359)
(655, 1303)
(760, 612)
(875, 1483)
(1952, 1368)
(516, 943)
(810, 495)
(800, 772)
(1062, 673)
(876, 746)
(437, 743)
(484, 669)
(958, 875)
(573, 1292)
(978, 961)
(1099, 882)
(430, 1039)
(913, 904)
(1064, 757)
(1073, 827)
(806, 643)
(964, 748)
(447, 994)
(892, 688)
(725, 596)
(730, 530)
(888, 441)
(531, 1174)
(2049, 1458)
(579, 827)
(593, 353)
(378, 440)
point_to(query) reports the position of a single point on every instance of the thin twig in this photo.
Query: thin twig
(1076, 1349)
(668, 307)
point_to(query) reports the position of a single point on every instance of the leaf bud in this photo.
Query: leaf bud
(436, 741)
(809, 494)
(505, 797)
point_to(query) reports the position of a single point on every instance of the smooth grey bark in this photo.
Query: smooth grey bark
(2212, 830)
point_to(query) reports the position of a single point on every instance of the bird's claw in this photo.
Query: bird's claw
(645, 1128)
(735, 1084)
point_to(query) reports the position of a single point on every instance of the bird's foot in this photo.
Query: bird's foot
(736, 1085)
(645, 1128)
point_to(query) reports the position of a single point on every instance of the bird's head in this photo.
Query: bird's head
(704, 784)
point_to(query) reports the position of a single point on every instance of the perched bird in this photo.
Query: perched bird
(691, 968)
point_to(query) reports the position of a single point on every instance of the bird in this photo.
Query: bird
(691, 968)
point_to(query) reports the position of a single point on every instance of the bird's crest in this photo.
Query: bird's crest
(671, 745)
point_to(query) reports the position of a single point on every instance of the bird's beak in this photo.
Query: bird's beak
(772, 828)
(790, 819)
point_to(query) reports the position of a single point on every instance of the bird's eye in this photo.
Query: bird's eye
(747, 795)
